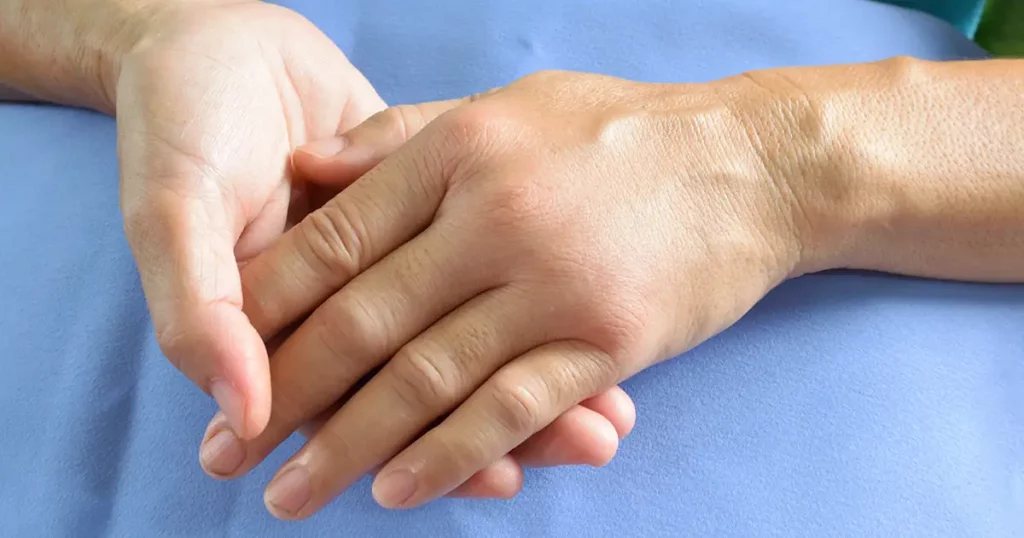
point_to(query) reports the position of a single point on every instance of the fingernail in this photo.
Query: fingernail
(289, 491)
(394, 489)
(326, 148)
(222, 454)
(230, 403)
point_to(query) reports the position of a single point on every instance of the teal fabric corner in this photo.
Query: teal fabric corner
(964, 14)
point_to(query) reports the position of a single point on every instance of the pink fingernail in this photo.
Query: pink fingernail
(230, 403)
(326, 148)
(289, 491)
(394, 489)
(222, 454)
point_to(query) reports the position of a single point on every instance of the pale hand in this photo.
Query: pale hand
(210, 103)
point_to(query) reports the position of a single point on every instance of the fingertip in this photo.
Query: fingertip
(502, 479)
(615, 405)
(310, 162)
(323, 149)
(580, 436)
(606, 443)
(591, 440)
(305, 164)
(334, 162)
(221, 453)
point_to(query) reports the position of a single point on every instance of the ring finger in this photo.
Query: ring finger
(516, 402)
(356, 330)
(428, 378)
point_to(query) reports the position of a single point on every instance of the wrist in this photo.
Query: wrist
(69, 56)
(830, 187)
(912, 167)
(741, 141)
(777, 141)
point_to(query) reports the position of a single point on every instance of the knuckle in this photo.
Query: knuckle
(516, 203)
(332, 341)
(386, 118)
(619, 328)
(482, 125)
(518, 213)
(424, 379)
(520, 406)
(334, 240)
(347, 327)
(392, 120)
(590, 370)
(543, 78)
(486, 94)
(406, 120)
(398, 123)
(467, 124)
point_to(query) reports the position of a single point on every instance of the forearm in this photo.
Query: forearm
(910, 167)
(65, 51)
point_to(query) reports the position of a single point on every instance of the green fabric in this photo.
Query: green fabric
(1002, 28)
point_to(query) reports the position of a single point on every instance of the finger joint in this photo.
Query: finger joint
(347, 327)
(426, 380)
(334, 238)
(520, 405)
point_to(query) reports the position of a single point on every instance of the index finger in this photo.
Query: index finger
(378, 213)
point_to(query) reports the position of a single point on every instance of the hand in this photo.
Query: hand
(527, 249)
(210, 101)
(587, 434)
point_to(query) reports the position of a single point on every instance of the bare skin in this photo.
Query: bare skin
(531, 247)
(211, 97)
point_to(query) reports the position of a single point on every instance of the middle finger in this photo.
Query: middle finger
(428, 377)
(354, 331)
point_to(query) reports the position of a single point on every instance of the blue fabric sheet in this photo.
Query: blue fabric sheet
(843, 405)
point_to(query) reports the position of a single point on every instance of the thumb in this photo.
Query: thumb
(337, 162)
(184, 249)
